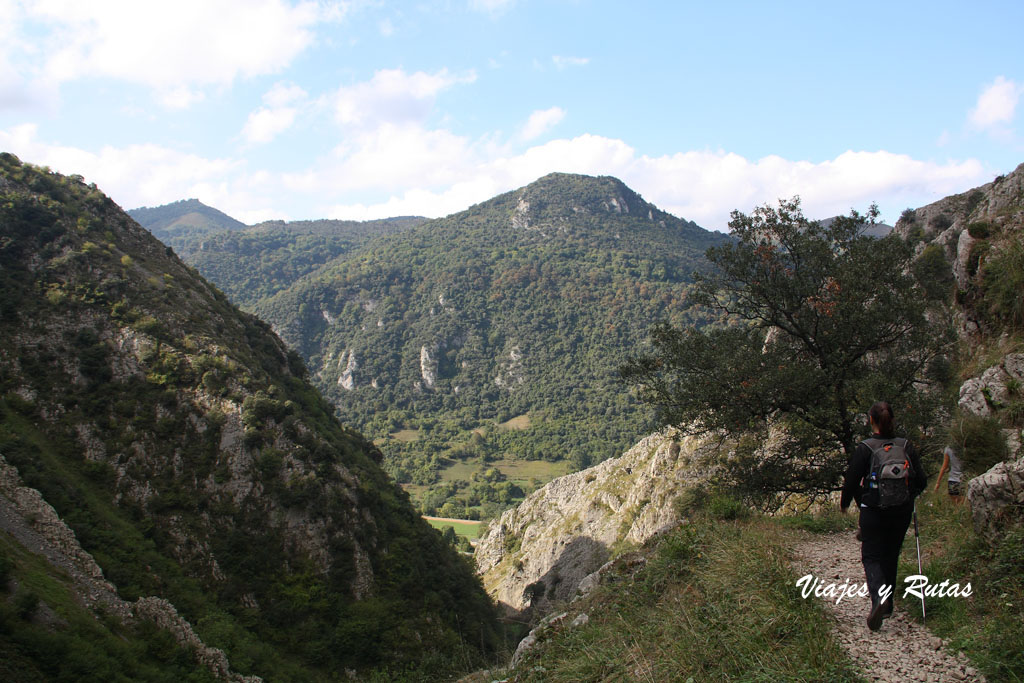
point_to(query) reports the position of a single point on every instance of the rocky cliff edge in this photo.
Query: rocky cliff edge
(540, 551)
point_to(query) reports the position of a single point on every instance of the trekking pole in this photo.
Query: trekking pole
(917, 537)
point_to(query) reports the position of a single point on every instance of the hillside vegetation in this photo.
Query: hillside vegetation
(250, 264)
(184, 221)
(183, 445)
(520, 307)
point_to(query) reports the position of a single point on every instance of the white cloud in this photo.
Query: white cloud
(393, 96)
(175, 48)
(283, 94)
(997, 104)
(562, 62)
(420, 202)
(702, 186)
(263, 125)
(136, 175)
(706, 186)
(395, 156)
(541, 121)
(180, 97)
(266, 123)
(388, 160)
(406, 168)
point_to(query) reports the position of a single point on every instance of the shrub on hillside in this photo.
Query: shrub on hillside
(979, 440)
(1002, 281)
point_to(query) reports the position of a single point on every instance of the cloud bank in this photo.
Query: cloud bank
(417, 171)
(176, 49)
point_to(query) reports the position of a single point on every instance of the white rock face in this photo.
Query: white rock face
(979, 395)
(615, 206)
(347, 379)
(521, 215)
(428, 367)
(565, 530)
(1000, 490)
(963, 253)
(994, 494)
(972, 400)
(511, 370)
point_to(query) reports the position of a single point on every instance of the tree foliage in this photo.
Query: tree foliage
(828, 322)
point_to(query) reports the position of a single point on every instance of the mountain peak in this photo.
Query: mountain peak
(566, 194)
(184, 216)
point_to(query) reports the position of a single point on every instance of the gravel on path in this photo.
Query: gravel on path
(903, 649)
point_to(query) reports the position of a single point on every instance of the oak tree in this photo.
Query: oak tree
(820, 321)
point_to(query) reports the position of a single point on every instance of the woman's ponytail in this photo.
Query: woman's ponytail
(881, 415)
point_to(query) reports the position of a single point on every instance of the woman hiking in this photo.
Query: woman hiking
(883, 476)
(951, 463)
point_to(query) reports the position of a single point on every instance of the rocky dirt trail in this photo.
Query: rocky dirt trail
(903, 650)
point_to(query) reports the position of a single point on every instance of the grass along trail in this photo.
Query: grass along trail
(903, 650)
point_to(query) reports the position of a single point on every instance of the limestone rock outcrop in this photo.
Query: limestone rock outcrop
(33, 522)
(970, 227)
(26, 516)
(996, 495)
(994, 388)
(163, 614)
(541, 550)
(998, 492)
(428, 366)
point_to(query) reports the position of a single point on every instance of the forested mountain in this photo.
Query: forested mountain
(182, 444)
(520, 307)
(256, 263)
(182, 220)
(250, 263)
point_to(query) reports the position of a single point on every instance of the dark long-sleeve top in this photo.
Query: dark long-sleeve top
(860, 464)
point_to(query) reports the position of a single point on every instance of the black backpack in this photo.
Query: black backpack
(888, 478)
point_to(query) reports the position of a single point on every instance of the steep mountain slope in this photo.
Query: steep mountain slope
(522, 306)
(981, 233)
(181, 443)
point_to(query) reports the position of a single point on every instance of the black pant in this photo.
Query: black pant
(882, 533)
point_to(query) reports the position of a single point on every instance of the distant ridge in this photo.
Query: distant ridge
(876, 230)
(184, 217)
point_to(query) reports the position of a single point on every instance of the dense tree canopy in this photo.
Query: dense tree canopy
(829, 321)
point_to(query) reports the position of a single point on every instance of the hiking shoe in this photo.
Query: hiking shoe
(857, 535)
(876, 616)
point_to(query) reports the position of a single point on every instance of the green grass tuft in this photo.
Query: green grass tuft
(989, 626)
(716, 600)
(828, 522)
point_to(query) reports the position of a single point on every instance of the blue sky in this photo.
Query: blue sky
(310, 109)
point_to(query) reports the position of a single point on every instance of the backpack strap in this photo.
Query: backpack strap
(874, 443)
